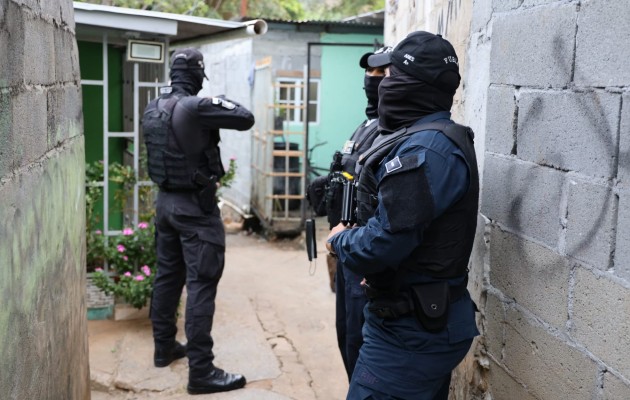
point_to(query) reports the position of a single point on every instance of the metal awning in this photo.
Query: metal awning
(127, 23)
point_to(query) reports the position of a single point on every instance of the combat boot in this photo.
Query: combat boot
(163, 356)
(214, 381)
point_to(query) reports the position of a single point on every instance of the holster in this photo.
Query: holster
(207, 194)
(431, 302)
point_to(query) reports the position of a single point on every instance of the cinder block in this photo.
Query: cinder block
(524, 197)
(39, 51)
(534, 47)
(6, 134)
(590, 226)
(481, 16)
(546, 365)
(494, 324)
(532, 275)
(600, 319)
(532, 3)
(622, 247)
(569, 131)
(500, 119)
(614, 388)
(67, 57)
(12, 46)
(503, 387)
(602, 54)
(67, 14)
(29, 126)
(51, 10)
(623, 172)
(504, 5)
(64, 114)
(476, 285)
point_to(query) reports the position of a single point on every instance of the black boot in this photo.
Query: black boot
(216, 380)
(163, 357)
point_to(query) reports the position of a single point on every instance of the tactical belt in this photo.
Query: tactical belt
(178, 190)
(393, 307)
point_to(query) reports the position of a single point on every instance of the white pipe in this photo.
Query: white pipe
(255, 27)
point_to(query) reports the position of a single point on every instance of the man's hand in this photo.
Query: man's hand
(333, 232)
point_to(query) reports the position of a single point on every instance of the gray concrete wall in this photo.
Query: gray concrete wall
(546, 90)
(555, 192)
(43, 330)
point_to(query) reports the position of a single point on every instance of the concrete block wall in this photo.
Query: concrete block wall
(555, 192)
(43, 330)
(545, 87)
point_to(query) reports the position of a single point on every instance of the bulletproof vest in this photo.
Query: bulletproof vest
(360, 141)
(447, 241)
(168, 166)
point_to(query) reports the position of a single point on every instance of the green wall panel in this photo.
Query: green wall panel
(342, 98)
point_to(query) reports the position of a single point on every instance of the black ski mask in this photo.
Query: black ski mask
(187, 70)
(190, 80)
(404, 99)
(370, 85)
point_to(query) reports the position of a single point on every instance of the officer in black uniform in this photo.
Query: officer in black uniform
(350, 298)
(181, 132)
(417, 198)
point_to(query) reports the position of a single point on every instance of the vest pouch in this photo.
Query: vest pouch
(431, 302)
(316, 195)
(178, 176)
(333, 201)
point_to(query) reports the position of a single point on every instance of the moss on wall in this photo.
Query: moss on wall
(42, 278)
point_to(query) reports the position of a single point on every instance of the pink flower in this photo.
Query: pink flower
(146, 270)
(233, 158)
(127, 231)
(143, 225)
(120, 248)
(99, 269)
(127, 273)
(98, 231)
(139, 278)
(125, 258)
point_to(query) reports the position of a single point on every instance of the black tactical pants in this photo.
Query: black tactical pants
(190, 251)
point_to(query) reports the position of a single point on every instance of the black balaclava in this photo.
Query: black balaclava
(188, 80)
(187, 70)
(404, 99)
(370, 85)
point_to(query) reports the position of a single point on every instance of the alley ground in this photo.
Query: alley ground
(274, 324)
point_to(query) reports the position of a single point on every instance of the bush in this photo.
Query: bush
(125, 254)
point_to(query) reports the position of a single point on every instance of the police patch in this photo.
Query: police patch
(393, 165)
(348, 147)
(227, 104)
(224, 103)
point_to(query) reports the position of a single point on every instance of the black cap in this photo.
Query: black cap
(363, 62)
(426, 56)
(187, 59)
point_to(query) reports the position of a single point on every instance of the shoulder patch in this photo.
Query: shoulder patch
(223, 103)
(348, 147)
(393, 165)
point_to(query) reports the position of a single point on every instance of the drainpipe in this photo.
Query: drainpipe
(255, 27)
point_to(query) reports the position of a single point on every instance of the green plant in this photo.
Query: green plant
(134, 289)
(126, 254)
(227, 179)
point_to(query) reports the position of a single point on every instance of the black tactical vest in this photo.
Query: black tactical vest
(447, 241)
(168, 166)
(360, 142)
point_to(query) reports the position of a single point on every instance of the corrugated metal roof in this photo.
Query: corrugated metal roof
(176, 26)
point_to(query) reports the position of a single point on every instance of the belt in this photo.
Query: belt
(389, 307)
